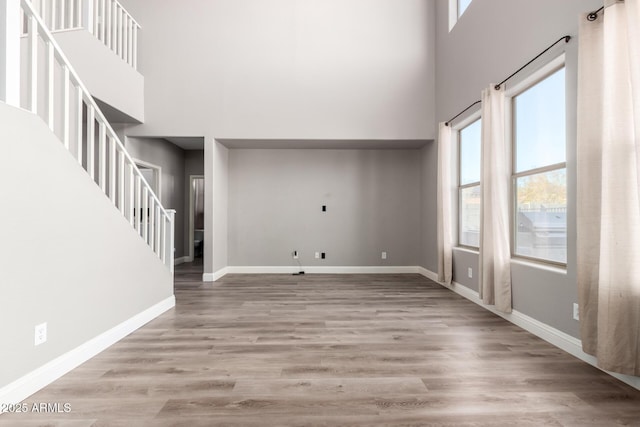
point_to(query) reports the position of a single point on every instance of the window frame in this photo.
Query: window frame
(457, 129)
(536, 77)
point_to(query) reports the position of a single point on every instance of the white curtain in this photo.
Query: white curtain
(608, 194)
(495, 251)
(444, 215)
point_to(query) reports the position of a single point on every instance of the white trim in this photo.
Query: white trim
(34, 381)
(453, 13)
(182, 260)
(563, 341)
(466, 250)
(539, 265)
(536, 76)
(212, 277)
(321, 269)
(468, 119)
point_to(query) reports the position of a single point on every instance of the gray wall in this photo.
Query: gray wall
(287, 69)
(73, 261)
(491, 40)
(372, 199)
(428, 197)
(171, 159)
(216, 165)
(107, 77)
(283, 69)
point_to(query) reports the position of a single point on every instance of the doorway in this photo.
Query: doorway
(196, 218)
(152, 174)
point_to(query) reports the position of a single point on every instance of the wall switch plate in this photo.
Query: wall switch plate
(470, 273)
(384, 255)
(323, 255)
(295, 254)
(317, 255)
(576, 311)
(40, 334)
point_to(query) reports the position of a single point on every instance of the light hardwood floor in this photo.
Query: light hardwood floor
(275, 350)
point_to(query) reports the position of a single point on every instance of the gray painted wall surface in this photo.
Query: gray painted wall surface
(220, 199)
(428, 235)
(92, 272)
(287, 69)
(172, 161)
(484, 47)
(107, 77)
(372, 199)
(290, 69)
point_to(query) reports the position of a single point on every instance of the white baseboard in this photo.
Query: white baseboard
(322, 270)
(24, 387)
(182, 260)
(212, 277)
(566, 342)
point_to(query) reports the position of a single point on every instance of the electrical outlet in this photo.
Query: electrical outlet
(324, 208)
(470, 273)
(576, 311)
(317, 255)
(323, 255)
(384, 255)
(295, 254)
(40, 334)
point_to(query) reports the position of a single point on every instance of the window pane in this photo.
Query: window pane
(470, 153)
(462, 6)
(470, 216)
(541, 216)
(540, 124)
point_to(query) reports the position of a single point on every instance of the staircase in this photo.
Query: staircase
(51, 88)
(86, 246)
(107, 20)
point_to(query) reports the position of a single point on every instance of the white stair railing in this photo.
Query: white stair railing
(52, 89)
(107, 20)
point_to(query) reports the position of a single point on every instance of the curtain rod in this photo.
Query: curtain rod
(594, 15)
(566, 40)
(461, 113)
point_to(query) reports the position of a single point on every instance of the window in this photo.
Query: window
(462, 6)
(469, 185)
(539, 170)
(456, 9)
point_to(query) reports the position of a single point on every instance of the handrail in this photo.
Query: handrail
(89, 100)
(107, 20)
(106, 135)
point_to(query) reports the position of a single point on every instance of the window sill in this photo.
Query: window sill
(466, 250)
(540, 266)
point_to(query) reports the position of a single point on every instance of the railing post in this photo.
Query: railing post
(10, 52)
(172, 235)
(87, 15)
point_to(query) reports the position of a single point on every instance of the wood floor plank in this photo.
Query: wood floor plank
(331, 350)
